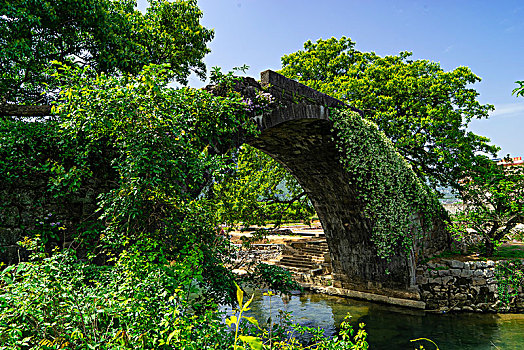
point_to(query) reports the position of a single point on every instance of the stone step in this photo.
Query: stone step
(304, 260)
(321, 243)
(297, 270)
(296, 259)
(290, 260)
(306, 267)
(298, 265)
(314, 251)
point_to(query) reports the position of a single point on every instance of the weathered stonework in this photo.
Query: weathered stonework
(256, 252)
(298, 134)
(452, 285)
(27, 203)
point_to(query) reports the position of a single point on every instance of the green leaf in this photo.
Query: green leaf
(251, 320)
(240, 296)
(254, 342)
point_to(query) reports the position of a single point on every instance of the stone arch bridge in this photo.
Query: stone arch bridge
(298, 134)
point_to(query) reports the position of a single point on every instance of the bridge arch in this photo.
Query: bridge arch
(299, 134)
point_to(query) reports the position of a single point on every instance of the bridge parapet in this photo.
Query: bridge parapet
(288, 90)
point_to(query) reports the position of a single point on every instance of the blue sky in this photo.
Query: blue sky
(485, 35)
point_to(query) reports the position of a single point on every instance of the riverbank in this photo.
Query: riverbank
(442, 285)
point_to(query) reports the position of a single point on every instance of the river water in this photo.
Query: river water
(392, 328)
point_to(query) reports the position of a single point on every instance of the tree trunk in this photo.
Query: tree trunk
(490, 247)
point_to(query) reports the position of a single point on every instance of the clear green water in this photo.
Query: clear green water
(392, 328)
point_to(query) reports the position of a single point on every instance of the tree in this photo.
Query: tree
(110, 36)
(423, 109)
(154, 151)
(493, 201)
(260, 190)
(493, 204)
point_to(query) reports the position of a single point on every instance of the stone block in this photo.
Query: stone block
(455, 264)
(466, 273)
(426, 295)
(455, 272)
(447, 279)
(479, 273)
(459, 296)
(479, 281)
(492, 288)
(422, 280)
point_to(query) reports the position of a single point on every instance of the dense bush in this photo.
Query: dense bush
(56, 301)
(59, 302)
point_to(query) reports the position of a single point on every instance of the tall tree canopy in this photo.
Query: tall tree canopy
(108, 35)
(423, 109)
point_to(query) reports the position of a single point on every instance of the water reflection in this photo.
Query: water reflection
(392, 327)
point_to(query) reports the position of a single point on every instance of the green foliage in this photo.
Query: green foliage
(493, 204)
(235, 321)
(421, 108)
(275, 278)
(167, 142)
(259, 190)
(519, 91)
(167, 147)
(510, 252)
(25, 147)
(510, 280)
(149, 152)
(397, 204)
(109, 35)
(57, 301)
(49, 229)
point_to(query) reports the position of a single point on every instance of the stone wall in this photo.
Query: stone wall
(28, 207)
(452, 285)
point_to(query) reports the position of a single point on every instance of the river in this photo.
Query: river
(392, 328)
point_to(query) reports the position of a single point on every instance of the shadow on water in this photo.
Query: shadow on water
(392, 327)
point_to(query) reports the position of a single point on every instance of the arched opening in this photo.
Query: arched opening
(307, 149)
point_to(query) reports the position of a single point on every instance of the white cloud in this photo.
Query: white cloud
(509, 109)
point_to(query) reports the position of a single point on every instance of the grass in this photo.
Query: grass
(510, 251)
(504, 252)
